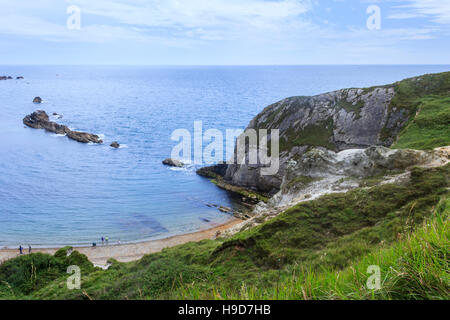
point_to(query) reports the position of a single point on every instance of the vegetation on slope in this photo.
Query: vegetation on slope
(26, 274)
(416, 95)
(430, 128)
(415, 267)
(295, 255)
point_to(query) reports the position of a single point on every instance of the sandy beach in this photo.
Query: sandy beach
(129, 252)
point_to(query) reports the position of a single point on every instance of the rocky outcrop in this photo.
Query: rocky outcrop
(173, 163)
(37, 100)
(320, 171)
(335, 121)
(114, 144)
(40, 120)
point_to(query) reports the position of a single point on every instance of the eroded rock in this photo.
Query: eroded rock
(40, 120)
(173, 163)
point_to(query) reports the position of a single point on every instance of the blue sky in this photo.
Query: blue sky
(224, 32)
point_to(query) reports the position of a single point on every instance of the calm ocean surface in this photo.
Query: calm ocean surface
(55, 191)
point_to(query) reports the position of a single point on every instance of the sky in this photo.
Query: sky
(224, 32)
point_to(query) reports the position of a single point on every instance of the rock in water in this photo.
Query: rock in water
(173, 163)
(37, 100)
(84, 137)
(19, 78)
(39, 120)
(115, 144)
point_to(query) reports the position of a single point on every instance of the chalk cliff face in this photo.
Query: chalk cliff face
(337, 121)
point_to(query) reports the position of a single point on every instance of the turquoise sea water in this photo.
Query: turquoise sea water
(55, 191)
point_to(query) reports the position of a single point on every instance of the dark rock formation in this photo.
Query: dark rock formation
(37, 100)
(40, 120)
(115, 144)
(173, 163)
(19, 78)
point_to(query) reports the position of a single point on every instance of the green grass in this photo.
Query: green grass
(410, 95)
(26, 274)
(301, 181)
(297, 254)
(415, 267)
(430, 128)
(317, 135)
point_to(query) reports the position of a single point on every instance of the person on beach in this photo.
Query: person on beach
(29, 249)
(103, 240)
(107, 240)
(20, 249)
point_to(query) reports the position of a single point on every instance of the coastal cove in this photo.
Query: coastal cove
(56, 192)
(100, 255)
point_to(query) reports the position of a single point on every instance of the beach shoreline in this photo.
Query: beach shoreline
(127, 252)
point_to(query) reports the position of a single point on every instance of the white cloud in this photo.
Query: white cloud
(437, 11)
(167, 20)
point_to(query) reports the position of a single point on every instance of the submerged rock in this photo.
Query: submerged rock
(173, 163)
(40, 120)
(19, 77)
(37, 100)
(114, 144)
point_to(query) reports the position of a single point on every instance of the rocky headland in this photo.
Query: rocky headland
(337, 141)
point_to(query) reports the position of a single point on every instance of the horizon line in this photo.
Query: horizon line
(228, 65)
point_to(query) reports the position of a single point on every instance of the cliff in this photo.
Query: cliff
(338, 121)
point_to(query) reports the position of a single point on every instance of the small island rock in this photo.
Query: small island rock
(115, 144)
(40, 120)
(37, 100)
(173, 163)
